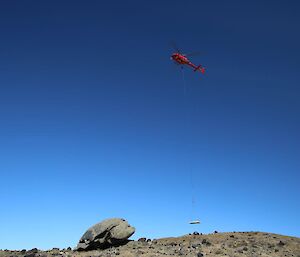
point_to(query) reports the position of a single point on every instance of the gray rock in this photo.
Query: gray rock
(109, 232)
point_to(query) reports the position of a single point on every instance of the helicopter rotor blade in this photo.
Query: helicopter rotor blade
(175, 47)
(193, 54)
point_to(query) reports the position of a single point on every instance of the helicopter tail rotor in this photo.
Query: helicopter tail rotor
(200, 68)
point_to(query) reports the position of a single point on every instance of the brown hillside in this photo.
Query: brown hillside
(241, 244)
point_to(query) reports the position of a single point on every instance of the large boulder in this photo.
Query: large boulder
(109, 232)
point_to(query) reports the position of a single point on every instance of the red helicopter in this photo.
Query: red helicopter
(182, 59)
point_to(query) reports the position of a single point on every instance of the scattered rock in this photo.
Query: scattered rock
(218, 251)
(29, 255)
(206, 242)
(221, 244)
(196, 244)
(240, 250)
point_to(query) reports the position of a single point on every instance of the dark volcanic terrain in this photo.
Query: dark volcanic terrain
(235, 244)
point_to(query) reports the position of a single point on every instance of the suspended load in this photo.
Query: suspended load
(193, 222)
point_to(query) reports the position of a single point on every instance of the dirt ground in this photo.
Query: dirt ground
(231, 244)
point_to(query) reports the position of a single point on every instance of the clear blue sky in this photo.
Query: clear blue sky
(94, 122)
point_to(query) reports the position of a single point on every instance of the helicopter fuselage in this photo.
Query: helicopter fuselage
(181, 59)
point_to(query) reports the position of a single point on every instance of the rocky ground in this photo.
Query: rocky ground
(235, 244)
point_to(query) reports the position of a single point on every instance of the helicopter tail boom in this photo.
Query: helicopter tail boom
(200, 68)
